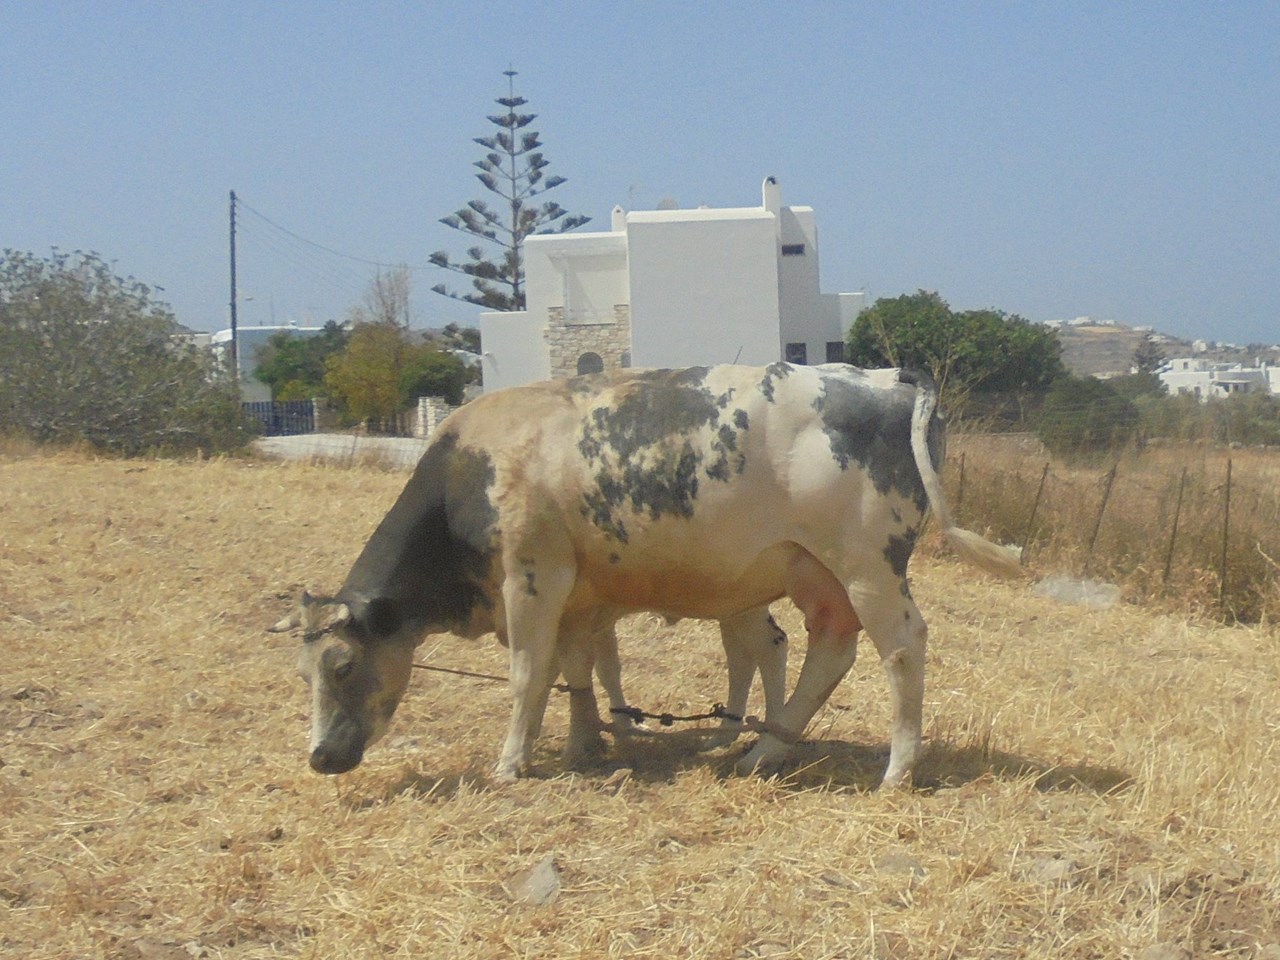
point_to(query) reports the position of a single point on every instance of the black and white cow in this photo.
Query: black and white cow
(544, 512)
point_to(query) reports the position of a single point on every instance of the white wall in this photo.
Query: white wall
(704, 287)
(515, 350)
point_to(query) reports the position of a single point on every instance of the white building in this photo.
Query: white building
(1206, 379)
(250, 342)
(671, 288)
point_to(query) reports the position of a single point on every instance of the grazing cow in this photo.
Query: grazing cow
(544, 512)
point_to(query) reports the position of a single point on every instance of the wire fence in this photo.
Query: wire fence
(1186, 526)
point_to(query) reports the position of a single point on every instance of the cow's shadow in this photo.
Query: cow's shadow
(837, 765)
(843, 765)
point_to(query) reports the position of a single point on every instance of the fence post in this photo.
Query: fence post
(1173, 535)
(1102, 508)
(1034, 507)
(960, 489)
(1226, 527)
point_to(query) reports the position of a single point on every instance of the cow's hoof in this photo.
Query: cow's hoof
(578, 753)
(622, 727)
(722, 737)
(507, 772)
(759, 763)
(896, 780)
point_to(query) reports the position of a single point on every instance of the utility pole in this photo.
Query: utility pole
(235, 357)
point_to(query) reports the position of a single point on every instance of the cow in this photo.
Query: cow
(544, 511)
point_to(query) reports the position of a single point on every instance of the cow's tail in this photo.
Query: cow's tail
(982, 553)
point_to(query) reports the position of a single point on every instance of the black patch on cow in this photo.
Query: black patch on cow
(728, 458)
(740, 419)
(648, 448)
(779, 635)
(382, 617)
(774, 371)
(872, 428)
(898, 551)
(426, 564)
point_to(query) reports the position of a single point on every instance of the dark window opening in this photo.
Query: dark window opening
(797, 353)
(835, 351)
(793, 249)
(590, 363)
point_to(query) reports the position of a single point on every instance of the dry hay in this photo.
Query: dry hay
(1097, 783)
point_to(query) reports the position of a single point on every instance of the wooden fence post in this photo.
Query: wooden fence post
(960, 488)
(1173, 535)
(1102, 508)
(1031, 522)
(1226, 527)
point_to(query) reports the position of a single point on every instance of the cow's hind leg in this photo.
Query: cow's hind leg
(534, 599)
(895, 626)
(832, 626)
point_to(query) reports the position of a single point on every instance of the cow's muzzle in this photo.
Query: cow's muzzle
(331, 758)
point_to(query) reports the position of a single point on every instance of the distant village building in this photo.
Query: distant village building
(1205, 379)
(671, 288)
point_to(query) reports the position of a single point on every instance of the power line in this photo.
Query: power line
(329, 250)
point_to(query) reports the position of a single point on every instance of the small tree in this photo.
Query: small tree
(86, 355)
(293, 366)
(1147, 356)
(1082, 415)
(365, 378)
(976, 350)
(512, 169)
(435, 373)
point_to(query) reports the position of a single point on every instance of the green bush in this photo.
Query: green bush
(87, 356)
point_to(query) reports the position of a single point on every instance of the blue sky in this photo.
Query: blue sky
(1120, 160)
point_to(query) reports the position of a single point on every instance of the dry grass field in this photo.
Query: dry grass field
(1097, 783)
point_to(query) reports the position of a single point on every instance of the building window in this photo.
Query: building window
(625, 360)
(590, 363)
(797, 353)
(835, 351)
(793, 249)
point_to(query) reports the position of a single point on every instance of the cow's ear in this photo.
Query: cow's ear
(382, 617)
(300, 616)
(331, 615)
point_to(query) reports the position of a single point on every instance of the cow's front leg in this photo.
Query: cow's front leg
(751, 640)
(579, 649)
(534, 598)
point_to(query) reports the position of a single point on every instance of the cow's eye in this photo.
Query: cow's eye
(342, 670)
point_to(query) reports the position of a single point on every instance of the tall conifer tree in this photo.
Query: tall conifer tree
(512, 168)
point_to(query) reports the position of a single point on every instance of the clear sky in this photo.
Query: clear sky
(1118, 160)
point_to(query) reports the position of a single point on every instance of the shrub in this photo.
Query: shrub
(88, 356)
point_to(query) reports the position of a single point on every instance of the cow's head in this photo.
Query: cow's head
(356, 658)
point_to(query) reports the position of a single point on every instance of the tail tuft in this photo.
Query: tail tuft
(995, 559)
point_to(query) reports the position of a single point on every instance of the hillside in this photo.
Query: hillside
(1089, 351)
(1097, 783)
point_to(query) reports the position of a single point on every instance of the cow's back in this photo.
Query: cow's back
(682, 489)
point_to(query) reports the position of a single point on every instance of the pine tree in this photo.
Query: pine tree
(513, 170)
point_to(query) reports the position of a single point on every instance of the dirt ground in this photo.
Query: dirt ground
(1098, 783)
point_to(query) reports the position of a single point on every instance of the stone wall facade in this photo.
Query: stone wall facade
(430, 412)
(569, 343)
